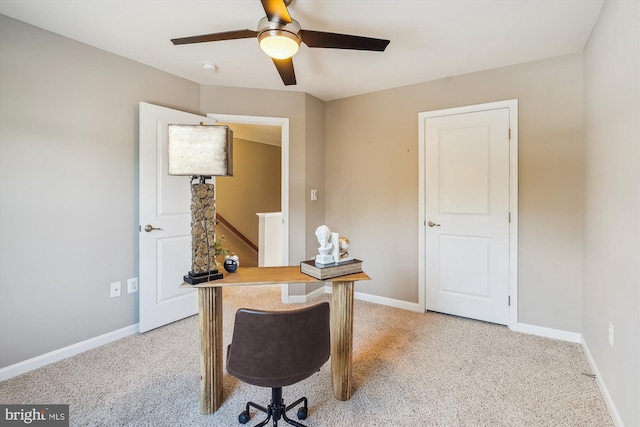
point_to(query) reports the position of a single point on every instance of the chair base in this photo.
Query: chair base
(276, 410)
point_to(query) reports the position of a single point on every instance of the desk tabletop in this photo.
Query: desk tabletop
(270, 276)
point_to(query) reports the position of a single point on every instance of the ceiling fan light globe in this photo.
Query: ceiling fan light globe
(279, 44)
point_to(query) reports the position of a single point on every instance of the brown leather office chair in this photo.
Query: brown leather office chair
(276, 349)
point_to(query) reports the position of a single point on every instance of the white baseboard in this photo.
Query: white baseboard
(521, 327)
(549, 332)
(293, 299)
(62, 353)
(613, 411)
(382, 300)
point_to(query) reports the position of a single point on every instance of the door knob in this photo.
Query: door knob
(149, 228)
(433, 224)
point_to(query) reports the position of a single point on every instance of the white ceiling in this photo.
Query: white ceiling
(430, 39)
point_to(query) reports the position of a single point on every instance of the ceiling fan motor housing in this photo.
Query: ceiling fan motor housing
(276, 34)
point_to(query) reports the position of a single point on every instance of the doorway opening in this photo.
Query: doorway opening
(270, 131)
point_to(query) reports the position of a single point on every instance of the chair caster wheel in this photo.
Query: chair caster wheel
(302, 413)
(244, 417)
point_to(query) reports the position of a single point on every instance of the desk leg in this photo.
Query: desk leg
(210, 307)
(342, 339)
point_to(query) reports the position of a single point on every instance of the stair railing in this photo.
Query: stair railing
(237, 232)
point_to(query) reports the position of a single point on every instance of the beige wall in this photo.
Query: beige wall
(612, 219)
(253, 188)
(372, 181)
(68, 186)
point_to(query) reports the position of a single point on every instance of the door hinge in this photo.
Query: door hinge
(509, 134)
(509, 217)
(509, 301)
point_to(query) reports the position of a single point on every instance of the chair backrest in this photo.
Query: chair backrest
(279, 348)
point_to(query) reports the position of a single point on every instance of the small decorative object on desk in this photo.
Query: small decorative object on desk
(333, 247)
(343, 246)
(323, 234)
(232, 263)
(333, 259)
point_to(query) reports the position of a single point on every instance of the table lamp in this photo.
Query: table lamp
(201, 151)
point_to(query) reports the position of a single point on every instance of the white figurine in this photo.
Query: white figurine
(323, 233)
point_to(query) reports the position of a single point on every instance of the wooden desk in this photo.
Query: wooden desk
(210, 308)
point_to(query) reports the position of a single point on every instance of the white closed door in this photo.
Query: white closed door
(164, 209)
(467, 214)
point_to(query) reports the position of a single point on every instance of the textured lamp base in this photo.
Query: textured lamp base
(203, 234)
(207, 276)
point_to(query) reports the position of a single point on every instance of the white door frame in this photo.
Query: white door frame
(283, 122)
(512, 105)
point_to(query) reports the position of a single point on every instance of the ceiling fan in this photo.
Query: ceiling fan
(279, 36)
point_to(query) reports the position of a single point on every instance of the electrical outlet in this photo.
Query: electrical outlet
(132, 285)
(314, 195)
(115, 289)
(610, 333)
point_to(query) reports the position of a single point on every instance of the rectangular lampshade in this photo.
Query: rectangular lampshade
(200, 150)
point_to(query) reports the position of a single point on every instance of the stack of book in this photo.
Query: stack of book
(329, 271)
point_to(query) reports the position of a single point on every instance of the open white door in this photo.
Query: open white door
(164, 204)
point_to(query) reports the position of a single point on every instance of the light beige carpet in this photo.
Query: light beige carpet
(410, 369)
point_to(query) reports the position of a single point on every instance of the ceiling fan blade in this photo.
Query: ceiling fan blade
(214, 37)
(276, 11)
(342, 41)
(285, 68)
